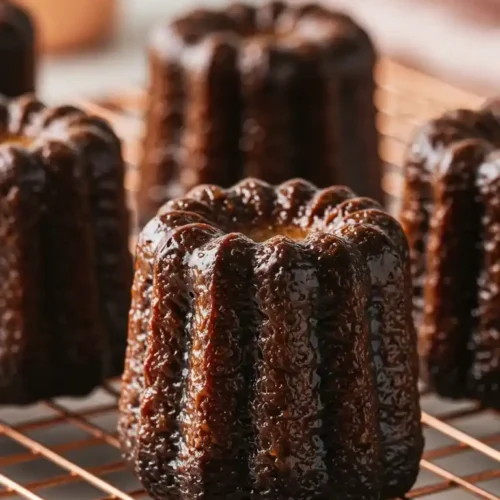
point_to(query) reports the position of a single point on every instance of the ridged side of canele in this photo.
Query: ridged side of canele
(225, 439)
(62, 291)
(225, 103)
(459, 333)
(423, 159)
(213, 405)
(80, 237)
(21, 185)
(449, 217)
(381, 241)
(149, 243)
(484, 375)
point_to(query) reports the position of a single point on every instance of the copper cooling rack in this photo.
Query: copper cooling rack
(67, 449)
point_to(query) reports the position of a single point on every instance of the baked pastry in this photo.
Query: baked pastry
(17, 50)
(272, 92)
(271, 349)
(65, 267)
(450, 213)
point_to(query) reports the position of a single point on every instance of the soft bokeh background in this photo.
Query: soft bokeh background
(456, 40)
(117, 63)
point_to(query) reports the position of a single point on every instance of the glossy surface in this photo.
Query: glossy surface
(260, 92)
(65, 269)
(449, 214)
(272, 369)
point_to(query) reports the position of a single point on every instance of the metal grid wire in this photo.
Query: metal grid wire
(68, 449)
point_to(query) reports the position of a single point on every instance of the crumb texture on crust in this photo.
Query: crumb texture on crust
(272, 91)
(450, 213)
(65, 267)
(272, 368)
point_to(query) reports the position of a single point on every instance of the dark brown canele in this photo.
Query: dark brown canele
(451, 215)
(65, 268)
(17, 50)
(271, 351)
(272, 92)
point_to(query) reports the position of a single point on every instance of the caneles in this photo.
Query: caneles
(451, 215)
(17, 50)
(65, 268)
(272, 353)
(273, 91)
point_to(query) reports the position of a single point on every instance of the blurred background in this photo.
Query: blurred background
(93, 47)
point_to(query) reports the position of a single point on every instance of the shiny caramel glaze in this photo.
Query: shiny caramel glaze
(17, 50)
(450, 214)
(275, 369)
(65, 268)
(271, 92)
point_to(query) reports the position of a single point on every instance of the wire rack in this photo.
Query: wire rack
(68, 449)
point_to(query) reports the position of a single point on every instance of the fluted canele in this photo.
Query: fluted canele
(450, 213)
(65, 267)
(271, 351)
(17, 50)
(272, 92)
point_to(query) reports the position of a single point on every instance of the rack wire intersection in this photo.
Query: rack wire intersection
(68, 449)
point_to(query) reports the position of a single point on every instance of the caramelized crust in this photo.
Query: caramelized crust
(65, 269)
(393, 338)
(448, 214)
(24, 330)
(274, 92)
(484, 376)
(271, 349)
(69, 301)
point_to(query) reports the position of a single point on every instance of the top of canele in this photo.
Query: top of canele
(291, 211)
(25, 122)
(273, 24)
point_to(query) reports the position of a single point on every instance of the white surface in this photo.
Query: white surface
(430, 36)
(121, 64)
